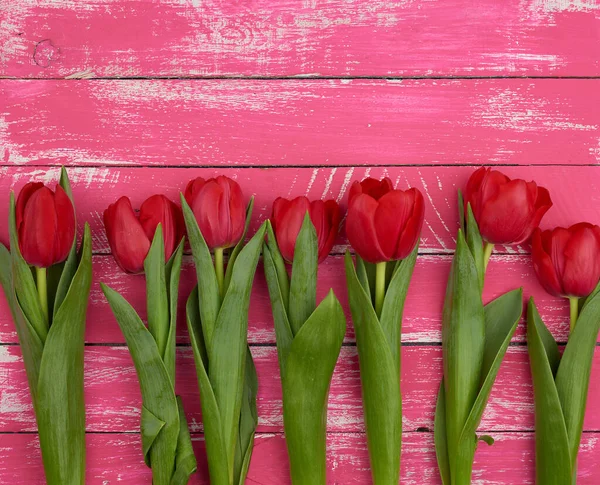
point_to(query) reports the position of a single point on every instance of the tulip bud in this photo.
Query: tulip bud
(218, 206)
(383, 224)
(287, 219)
(45, 224)
(567, 261)
(130, 236)
(507, 211)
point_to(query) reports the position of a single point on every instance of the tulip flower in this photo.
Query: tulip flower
(219, 208)
(507, 211)
(130, 235)
(567, 261)
(287, 220)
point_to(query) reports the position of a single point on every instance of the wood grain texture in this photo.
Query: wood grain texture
(113, 399)
(69, 38)
(300, 122)
(116, 458)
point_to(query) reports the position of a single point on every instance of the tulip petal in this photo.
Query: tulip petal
(412, 230)
(38, 229)
(542, 264)
(192, 189)
(360, 228)
(26, 192)
(126, 236)
(392, 214)
(332, 218)
(155, 210)
(582, 261)
(65, 233)
(371, 186)
(287, 221)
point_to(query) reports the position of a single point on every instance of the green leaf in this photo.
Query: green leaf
(239, 246)
(463, 345)
(60, 408)
(487, 439)
(208, 294)
(573, 376)
(475, 244)
(157, 299)
(303, 284)
(305, 384)
(279, 264)
(440, 438)
(172, 273)
(158, 394)
(461, 211)
(283, 331)
(248, 421)
(185, 461)
(213, 430)
(23, 282)
(380, 380)
(553, 463)
(228, 360)
(393, 304)
(363, 277)
(150, 426)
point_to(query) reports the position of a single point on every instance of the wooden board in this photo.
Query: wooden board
(115, 38)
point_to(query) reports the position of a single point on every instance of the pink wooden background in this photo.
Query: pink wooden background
(301, 98)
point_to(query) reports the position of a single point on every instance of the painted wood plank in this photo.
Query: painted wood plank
(96, 188)
(68, 38)
(116, 458)
(300, 122)
(422, 313)
(113, 399)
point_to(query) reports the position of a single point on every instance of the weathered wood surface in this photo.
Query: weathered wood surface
(115, 38)
(300, 122)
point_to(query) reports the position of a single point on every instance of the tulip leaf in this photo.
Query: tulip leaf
(393, 304)
(380, 379)
(573, 376)
(283, 331)
(475, 244)
(283, 279)
(463, 345)
(363, 277)
(553, 463)
(461, 211)
(440, 438)
(213, 429)
(185, 460)
(303, 284)
(239, 246)
(156, 292)
(248, 421)
(172, 273)
(487, 439)
(305, 384)
(24, 285)
(60, 407)
(157, 390)
(228, 360)
(208, 287)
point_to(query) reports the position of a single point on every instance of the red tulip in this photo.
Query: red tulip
(45, 224)
(219, 208)
(507, 211)
(383, 224)
(567, 261)
(287, 219)
(130, 236)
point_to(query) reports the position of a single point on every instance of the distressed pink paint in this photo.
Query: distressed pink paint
(286, 38)
(300, 122)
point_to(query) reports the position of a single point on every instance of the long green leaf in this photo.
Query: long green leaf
(475, 243)
(283, 278)
(239, 246)
(305, 384)
(303, 283)
(213, 430)
(209, 294)
(573, 376)
(185, 460)
(60, 408)
(156, 292)
(283, 331)
(463, 345)
(440, 438)
(380, 380)
(553, 465)
(158, 394)
(228, 360)
(393, 304)
(248, 422)
(172, 273)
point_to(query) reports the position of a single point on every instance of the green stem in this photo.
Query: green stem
(379, 286)
(574, 310)
(487, 252)
(219, 268)
(42, 288)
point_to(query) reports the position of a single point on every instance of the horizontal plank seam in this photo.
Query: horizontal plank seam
(299, 77)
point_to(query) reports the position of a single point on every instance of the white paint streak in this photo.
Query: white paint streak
(328, 183)
(345, 184)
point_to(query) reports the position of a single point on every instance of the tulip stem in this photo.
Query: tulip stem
(379, 286)
(487, 252)
(574, 310)
(219, 268)
(42, 288)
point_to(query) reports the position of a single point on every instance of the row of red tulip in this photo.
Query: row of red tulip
(382, 224)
